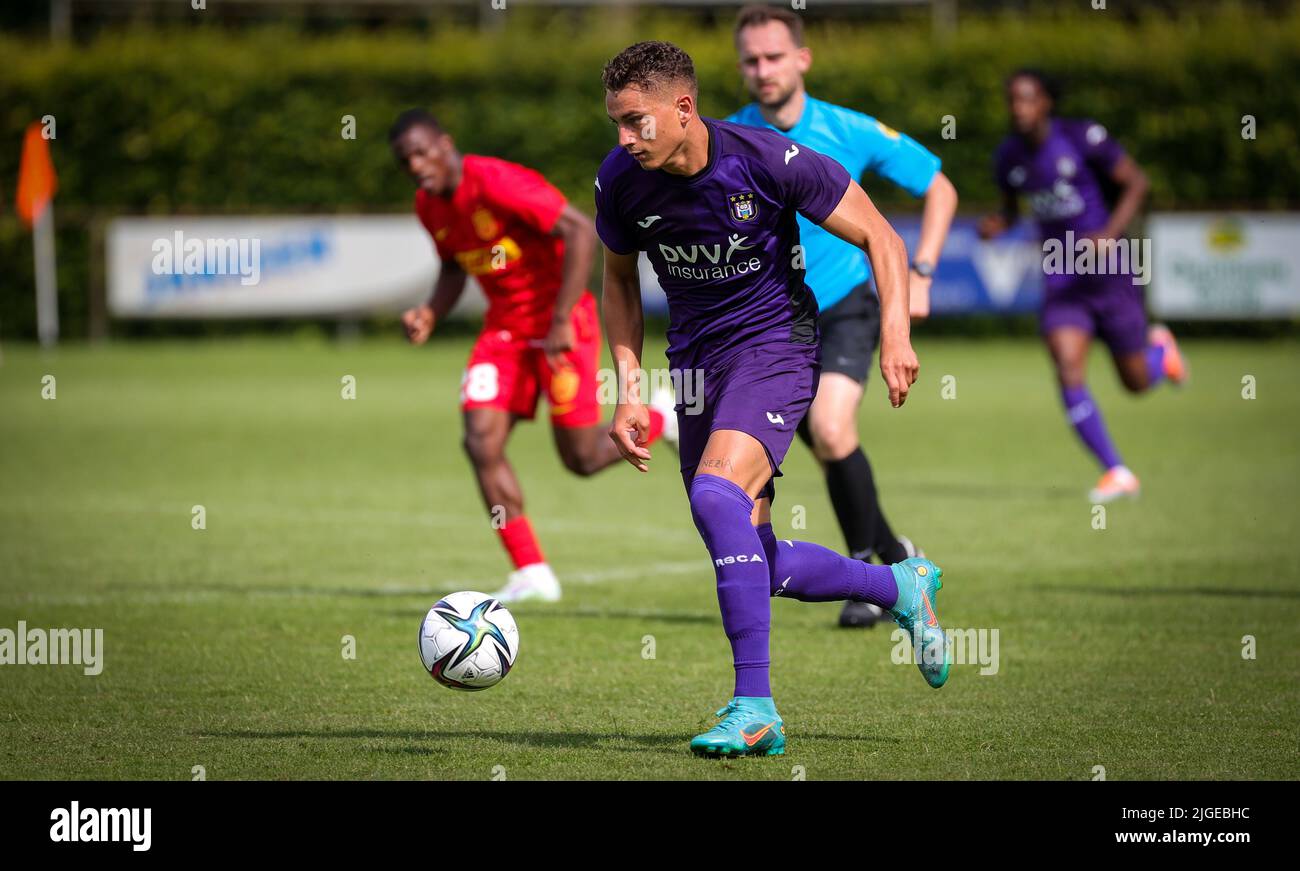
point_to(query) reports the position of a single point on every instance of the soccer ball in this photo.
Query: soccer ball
(468, 641)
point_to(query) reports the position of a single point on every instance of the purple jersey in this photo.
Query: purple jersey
(1064, 180)
(723, 241)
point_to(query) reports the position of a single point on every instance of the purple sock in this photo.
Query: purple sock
(721, 511)
(1155, 365)
(1087, 421)
(812, 573)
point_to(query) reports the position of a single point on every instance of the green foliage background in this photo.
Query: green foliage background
(206, 120)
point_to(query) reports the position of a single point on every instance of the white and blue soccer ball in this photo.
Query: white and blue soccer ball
(468, 641)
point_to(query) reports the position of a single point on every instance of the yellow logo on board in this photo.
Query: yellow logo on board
(1226, 234)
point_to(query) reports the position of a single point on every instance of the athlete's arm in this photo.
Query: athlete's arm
(625, 327)
(420, 321)
(936, 220)
(913, 167)
(1133, 185)
(857, 221)
(579, 235)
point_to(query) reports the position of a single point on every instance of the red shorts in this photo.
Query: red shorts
(509, 373)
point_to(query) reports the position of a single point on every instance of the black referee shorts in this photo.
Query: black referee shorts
(850, 332)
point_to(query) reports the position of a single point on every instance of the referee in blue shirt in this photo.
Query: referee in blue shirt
(773, 61)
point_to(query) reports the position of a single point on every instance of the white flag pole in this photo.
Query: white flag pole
(47, 291)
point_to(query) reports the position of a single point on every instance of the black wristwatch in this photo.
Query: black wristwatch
(923, 268)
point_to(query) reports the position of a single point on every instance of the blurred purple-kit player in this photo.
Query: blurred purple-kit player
(713, 206)
(1084, 191)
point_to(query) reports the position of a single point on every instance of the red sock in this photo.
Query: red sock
(656, 426)
(518, 540)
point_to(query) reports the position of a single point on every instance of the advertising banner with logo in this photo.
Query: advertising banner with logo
(270, 267)
(1205, 266)
(1227, 265)
(1000, 276)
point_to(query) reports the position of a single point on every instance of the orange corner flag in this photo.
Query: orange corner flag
(36, 180)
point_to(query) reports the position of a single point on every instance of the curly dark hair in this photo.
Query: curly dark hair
(649, 65)
(413, 118)
(1050, 84)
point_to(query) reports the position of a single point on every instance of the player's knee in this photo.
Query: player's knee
(1071, 373)
(581, 464)
(715, 503)
(579, 451)
(1134, 382)
(482, 446)
(705, 507)
(833, 439)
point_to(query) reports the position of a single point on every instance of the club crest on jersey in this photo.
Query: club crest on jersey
(743, 206)
(485, 224)
(564, 386)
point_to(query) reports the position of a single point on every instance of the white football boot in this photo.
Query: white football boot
(1117, 483)
(534, 583)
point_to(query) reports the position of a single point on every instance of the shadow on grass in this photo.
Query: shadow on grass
(411, 750)
(532, 610)
(535, 740)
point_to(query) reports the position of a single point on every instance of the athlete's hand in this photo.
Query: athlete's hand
(559, 340)
(1104, 239)
(918, 292)
(990, 226)
(899, 367)
(418, 322)
(630, 429)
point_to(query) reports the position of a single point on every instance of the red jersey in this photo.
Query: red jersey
(497, 226)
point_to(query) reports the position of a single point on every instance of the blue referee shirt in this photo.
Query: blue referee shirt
(858, 143)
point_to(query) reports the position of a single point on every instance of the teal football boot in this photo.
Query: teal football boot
(750, 726)
(919, 582)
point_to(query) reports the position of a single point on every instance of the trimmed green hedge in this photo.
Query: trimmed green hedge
(204, 120)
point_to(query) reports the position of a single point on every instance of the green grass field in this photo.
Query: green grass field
(329, 517)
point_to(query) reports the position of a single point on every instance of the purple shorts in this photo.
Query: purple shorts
(763, 391)
(1110, 307)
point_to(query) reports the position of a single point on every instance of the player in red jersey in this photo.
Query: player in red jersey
(531, 252)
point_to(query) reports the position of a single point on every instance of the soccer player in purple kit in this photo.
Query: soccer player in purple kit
(713, 206)
(1066, 168)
